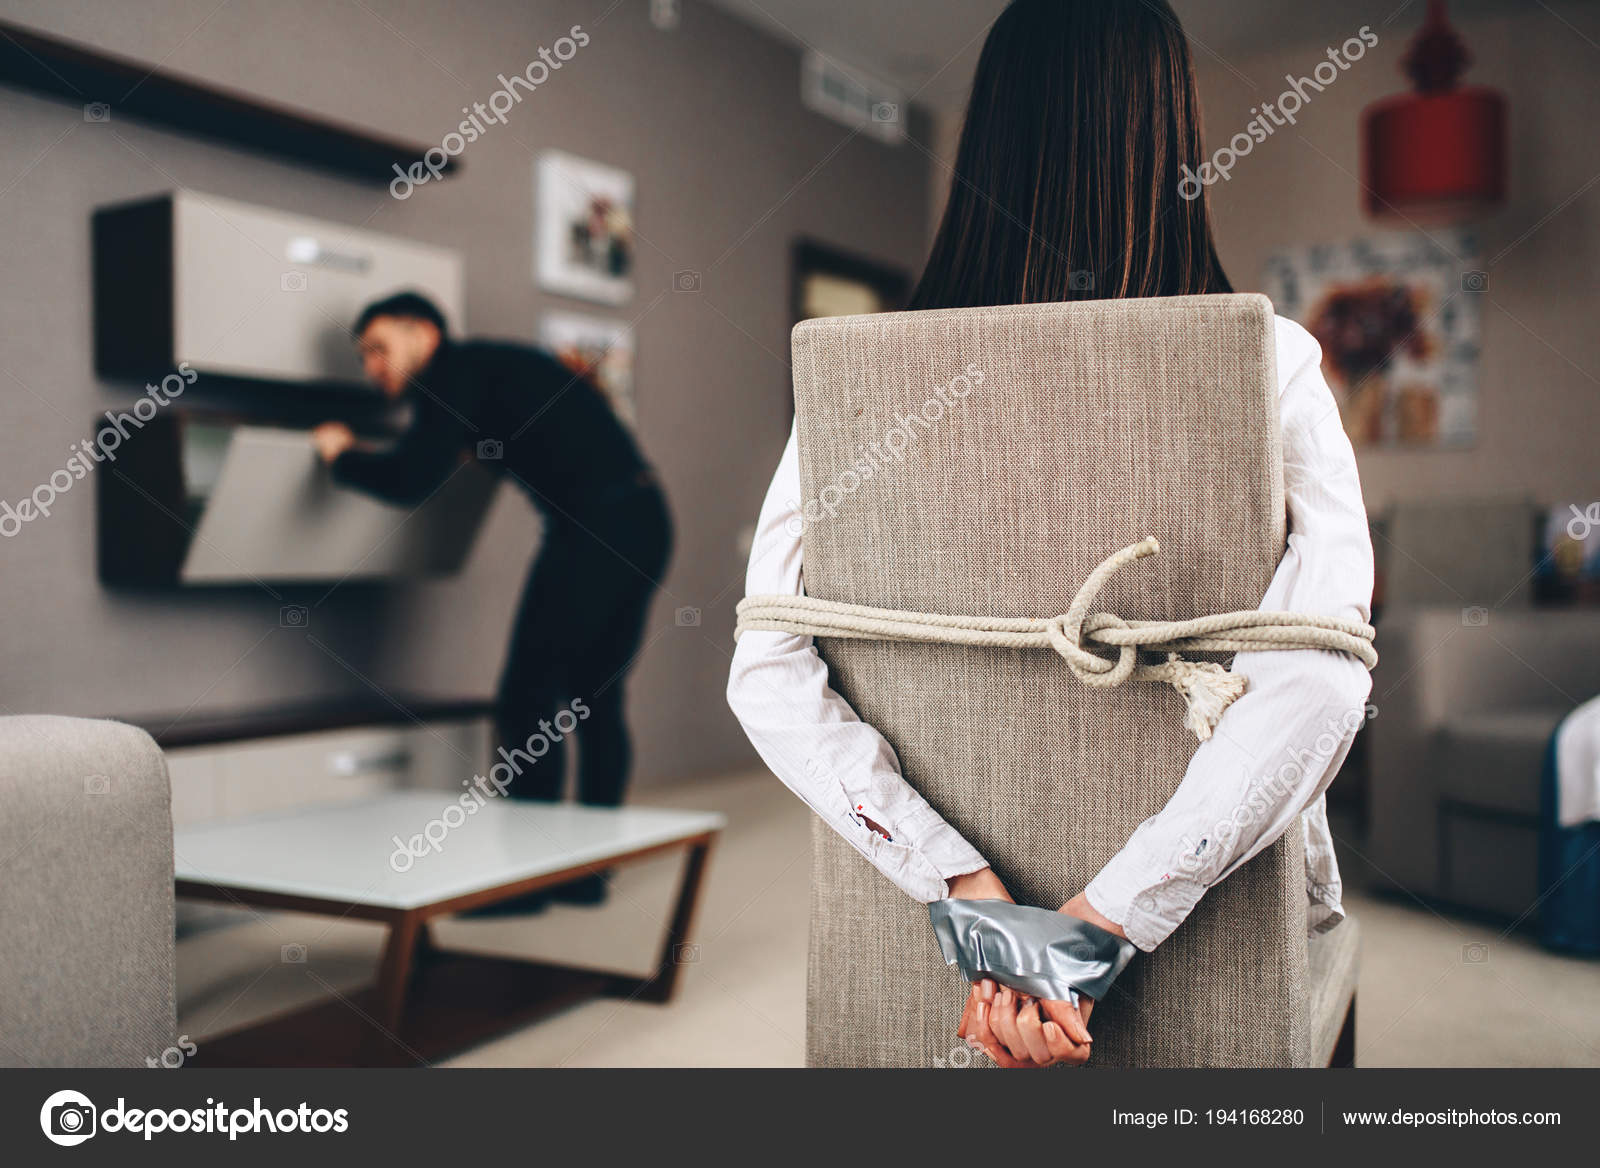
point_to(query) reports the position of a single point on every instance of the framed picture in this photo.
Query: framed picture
(829, 282)
(583, 225)
(1397, 317)
(600, 349)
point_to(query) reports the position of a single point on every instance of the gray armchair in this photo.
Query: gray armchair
(86, 901)
(1470, 683)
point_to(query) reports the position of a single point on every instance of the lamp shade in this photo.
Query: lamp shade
(1438, 154)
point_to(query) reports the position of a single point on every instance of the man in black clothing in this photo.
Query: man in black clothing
(607, 535)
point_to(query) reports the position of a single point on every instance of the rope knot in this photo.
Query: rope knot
(1207, 688)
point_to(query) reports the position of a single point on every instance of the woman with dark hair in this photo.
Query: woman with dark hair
(1082, 125)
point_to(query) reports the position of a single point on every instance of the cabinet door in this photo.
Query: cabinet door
(264, 294)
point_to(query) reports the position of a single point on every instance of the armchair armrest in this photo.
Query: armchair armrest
(87, 895)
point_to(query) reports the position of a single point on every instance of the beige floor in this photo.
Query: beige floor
(1435, 990)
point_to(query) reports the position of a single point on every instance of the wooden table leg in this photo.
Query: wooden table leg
(676, 949)
(395, 971)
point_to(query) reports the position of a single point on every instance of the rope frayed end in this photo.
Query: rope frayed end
(1207, 689)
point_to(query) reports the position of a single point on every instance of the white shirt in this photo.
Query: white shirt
(1267, 765)
(1578, 766)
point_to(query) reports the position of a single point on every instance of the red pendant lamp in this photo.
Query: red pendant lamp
(1438, 154)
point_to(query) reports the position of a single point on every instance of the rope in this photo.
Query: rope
(1207, 688)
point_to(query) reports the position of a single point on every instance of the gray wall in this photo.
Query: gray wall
(729, 169)
(1540, 370)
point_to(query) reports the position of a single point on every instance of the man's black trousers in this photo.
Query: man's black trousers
(578, 629)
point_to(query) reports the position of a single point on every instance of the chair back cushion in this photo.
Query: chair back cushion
(984, 461)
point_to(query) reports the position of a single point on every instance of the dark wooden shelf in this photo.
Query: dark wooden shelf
(85, 75)
(305, 718)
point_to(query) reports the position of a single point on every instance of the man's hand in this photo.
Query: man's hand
(331, 439)
(1019, 1032)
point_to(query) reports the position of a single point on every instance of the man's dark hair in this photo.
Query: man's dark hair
(407, 306)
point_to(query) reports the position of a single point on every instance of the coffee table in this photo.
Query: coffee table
(403, 859)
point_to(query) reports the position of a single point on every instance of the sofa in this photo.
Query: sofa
(86, 895)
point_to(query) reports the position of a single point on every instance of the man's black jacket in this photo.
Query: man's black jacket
(520, 413)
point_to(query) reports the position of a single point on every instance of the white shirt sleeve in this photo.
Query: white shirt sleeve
(1277, 748)
(811, 738)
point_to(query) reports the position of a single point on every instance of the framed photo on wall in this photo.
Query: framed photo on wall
(1397, 316)
(830, 282)
(600, 349)
(583, 228)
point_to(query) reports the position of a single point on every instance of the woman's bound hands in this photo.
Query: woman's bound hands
(1020, 1031)
(1014, 1029)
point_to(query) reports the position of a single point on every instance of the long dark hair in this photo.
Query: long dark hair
(1066, 180)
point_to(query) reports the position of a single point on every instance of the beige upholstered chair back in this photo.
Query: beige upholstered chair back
(1010, 450)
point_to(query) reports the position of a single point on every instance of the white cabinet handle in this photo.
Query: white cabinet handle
(348, 762)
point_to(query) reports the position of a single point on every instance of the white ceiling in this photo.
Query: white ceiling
(928, 48)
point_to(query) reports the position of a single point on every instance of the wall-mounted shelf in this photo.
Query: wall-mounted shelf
(342, 713)
(79, 73)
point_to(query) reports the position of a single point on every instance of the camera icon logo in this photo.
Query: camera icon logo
(67, 1118)
(1474, 281)
(1080, 281)
(96, 111)
(686, 954)
(293, 954)
(688, 618)
(97, 785)
(885, 111)
(1475, 953)
(491, 450)
(294, 616)
(686, 281)
(292, 282)
(1475, 616)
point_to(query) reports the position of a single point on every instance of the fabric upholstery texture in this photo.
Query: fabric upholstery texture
(1334, 965)
(1081, 428)
(86, 898)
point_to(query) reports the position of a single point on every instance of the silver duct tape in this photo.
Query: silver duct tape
(1033, 950)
